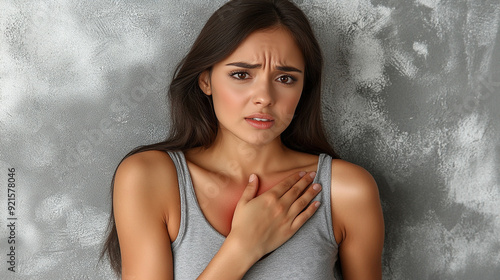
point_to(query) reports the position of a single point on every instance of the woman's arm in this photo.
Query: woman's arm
(139, 195)
(358, 221)
(144, 188)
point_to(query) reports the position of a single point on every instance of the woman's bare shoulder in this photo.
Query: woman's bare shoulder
(148, 163)
(149, 174)
(352, 180)
(355, 199)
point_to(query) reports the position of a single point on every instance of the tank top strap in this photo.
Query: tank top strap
(324, 177)
(182, 172)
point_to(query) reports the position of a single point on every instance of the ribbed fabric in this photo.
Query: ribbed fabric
(310, 254)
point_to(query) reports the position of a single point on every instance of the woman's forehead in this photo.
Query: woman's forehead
(268, 47)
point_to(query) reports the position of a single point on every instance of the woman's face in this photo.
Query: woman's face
(256, 89)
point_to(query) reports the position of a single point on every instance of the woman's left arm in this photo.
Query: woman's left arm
(358, 221)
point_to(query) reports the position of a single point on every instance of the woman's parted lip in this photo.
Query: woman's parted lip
(260, 116)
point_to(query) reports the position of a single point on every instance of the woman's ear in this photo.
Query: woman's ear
(204, 82)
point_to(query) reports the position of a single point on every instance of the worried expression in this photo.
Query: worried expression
(256, 89)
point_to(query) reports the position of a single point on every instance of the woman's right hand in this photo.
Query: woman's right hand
(261, 224)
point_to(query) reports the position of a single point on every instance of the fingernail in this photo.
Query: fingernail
(316, 187)
(302, 173)
(317, 204)
(252, 178)
(312, 174)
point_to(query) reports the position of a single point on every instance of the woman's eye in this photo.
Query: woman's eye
(286, 79)
(239, 75)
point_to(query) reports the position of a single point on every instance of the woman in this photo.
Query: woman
(247, 184)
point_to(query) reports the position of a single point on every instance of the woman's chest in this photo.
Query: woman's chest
(217, 193)
(217, 197)
(217, 204)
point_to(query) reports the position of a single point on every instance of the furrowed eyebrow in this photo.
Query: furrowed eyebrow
(253, 66)
(288, 69)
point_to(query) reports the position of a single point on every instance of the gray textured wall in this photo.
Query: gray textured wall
(411, 93)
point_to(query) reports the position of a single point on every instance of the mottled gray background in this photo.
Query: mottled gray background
(411, 93)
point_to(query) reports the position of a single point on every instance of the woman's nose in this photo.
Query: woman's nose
(263, 93)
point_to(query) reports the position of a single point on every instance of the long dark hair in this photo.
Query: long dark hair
(194, 123)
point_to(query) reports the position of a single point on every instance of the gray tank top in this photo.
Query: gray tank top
(310, 254)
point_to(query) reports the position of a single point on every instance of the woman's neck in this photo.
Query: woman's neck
(239, 159)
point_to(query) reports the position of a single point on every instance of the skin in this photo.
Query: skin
(258, 216)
